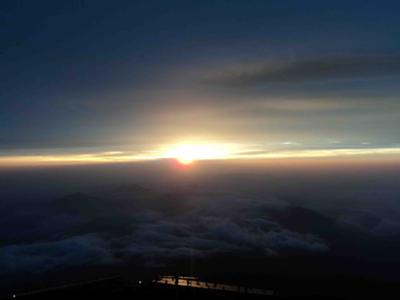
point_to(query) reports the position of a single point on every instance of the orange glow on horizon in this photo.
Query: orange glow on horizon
(187, 154)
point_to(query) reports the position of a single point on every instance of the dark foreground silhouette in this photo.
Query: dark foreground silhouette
(163, 287)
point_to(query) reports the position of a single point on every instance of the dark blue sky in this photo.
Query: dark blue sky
(79, 76)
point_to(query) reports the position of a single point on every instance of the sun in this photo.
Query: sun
(185, 159)
(186, 154)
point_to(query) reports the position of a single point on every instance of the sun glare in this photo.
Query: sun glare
(188, 153)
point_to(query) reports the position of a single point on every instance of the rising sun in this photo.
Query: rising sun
(188, 153)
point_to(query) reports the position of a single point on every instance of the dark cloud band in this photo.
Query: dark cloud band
(319, 69)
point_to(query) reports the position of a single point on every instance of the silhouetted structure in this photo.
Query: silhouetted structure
(163, 287)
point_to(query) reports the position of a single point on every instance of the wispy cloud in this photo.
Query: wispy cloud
(285, 150)
(306, 70)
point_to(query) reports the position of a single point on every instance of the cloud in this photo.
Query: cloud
(81, 229)
(371, 221)
(39, 257)
(157, 230)
(308, 70)
(220, 223)
(154, 227)
(205, 236)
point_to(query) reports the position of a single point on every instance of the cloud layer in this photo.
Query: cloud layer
(236, 215)
(135, 223)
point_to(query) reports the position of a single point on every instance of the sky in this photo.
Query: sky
(98, 81)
